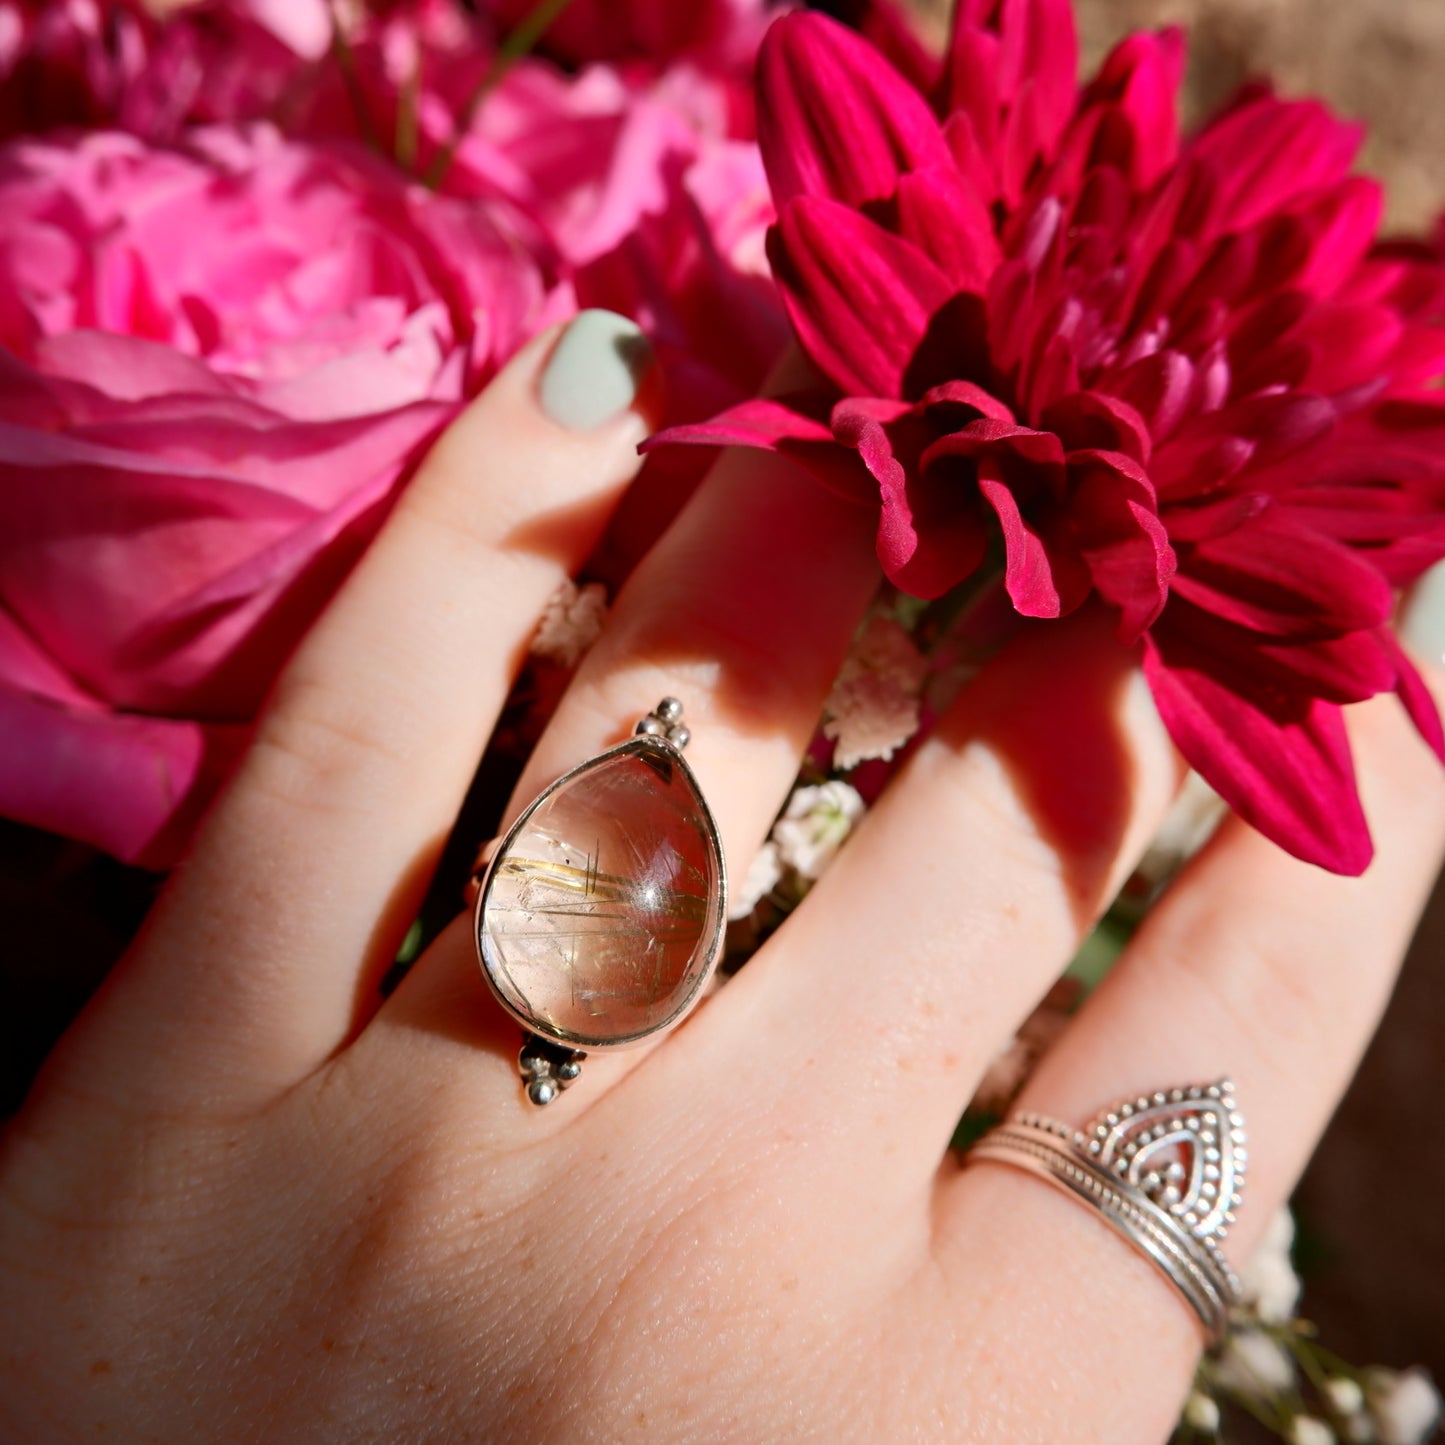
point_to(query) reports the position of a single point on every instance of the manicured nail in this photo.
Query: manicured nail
(1422, 623)
(595, 370)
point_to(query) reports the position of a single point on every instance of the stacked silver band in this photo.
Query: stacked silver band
(1164, 1170)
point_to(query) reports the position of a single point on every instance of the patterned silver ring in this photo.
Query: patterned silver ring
(601, 912)
(1165, 1170)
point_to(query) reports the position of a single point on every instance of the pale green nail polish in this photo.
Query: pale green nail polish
(595, 370)
(1422, 622)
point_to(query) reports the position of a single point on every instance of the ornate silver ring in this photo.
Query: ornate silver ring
(600, 914)
(1165, 1170)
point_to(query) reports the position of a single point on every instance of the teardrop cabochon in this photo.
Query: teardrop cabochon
(602, 911)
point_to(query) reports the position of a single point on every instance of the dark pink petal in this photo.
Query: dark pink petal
(1295, 342)
(950, 395)
(1343, 669)
(1215, 516)
(1263, 433)
(1418, 700)
(930, 536)
(1094, 420)
(834, 118)
(1114, 515)
(761, 422)
(861, 300)
(1158, 387)
(1198, 464)
(1138, 88)
(944, 218)
(1284, 581)
(1289, 776)
(930, 529)
(1007, 58)
(777, 427)
(1267, 153)
(1042, 580)
(1342, 226)
(1040, 453)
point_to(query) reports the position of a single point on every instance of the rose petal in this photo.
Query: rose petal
(134, 786)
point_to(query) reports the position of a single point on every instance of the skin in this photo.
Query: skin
(248, 1201)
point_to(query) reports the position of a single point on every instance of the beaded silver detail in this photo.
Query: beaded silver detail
(1165, 1170)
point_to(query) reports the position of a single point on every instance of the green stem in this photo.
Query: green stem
(346, 64)
(518, 44)
(408, 117)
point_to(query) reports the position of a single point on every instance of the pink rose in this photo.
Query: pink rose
(720, 32)
(216, 365)
(116, 63)
(67, 62)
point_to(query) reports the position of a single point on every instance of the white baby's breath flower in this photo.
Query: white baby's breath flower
(1307, 1430)
(814, 824)
(1036, 1036)
(1344, 1395)
(873, 708)
(1254, 1365)
(1003, 1078)
(1201, 1412)
(763, 875)
(1405, 1404)
(571, 623)
(1269, 1278)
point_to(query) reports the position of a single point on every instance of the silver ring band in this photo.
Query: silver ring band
(1164, 1171)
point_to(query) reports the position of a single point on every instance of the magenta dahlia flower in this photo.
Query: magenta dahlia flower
(1178, 377)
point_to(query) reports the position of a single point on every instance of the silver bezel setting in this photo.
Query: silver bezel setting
(651, 737)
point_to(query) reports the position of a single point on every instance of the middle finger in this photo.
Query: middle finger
(996, 850)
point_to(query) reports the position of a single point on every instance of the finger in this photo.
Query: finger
(1256, 966)
(743, 611)
(958, 900)
(317, 856)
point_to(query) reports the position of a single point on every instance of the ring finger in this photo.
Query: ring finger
(1255, 966)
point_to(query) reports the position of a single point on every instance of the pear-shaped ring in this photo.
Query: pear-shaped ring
(601, 913)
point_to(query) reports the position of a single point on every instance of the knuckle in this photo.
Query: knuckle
(315, 748)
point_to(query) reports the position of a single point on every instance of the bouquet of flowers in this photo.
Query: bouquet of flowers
(258, 255)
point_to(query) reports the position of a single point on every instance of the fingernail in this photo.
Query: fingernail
(595, 370)
(1422, 623)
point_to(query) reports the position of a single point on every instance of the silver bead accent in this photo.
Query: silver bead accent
(665, 721)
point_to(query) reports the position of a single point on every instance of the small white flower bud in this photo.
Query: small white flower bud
(1345, 1395)
(1306, 1430)
(1201, 1412)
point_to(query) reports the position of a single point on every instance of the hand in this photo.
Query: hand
(249, 1201)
